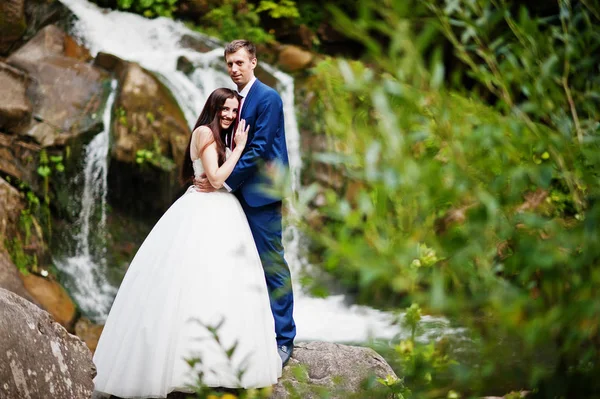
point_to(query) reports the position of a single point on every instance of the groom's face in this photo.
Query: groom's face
(240, 67)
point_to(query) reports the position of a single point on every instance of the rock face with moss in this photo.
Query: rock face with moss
(38, 357)
(9, 277)
(150, 138)
(340, 370)
(12, 204)
(53, 108)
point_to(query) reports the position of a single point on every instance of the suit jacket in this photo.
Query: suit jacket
(263, 111)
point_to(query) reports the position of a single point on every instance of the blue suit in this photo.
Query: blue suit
(263, 111)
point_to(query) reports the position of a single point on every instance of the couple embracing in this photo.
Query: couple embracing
(213, 264)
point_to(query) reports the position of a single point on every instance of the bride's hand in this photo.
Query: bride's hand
(241, 134)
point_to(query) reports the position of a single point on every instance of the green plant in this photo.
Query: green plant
(47, 164)
(121, 116)
(150, 117)
(149, 8)
(154, 157)
(23, 261)
(280, 9)
(234, 19)
(201, 390)
(441, 181)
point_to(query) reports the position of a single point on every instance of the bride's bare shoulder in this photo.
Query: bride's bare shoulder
(202, 131)
(202, 135)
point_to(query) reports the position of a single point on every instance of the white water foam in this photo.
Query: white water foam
(86, 269)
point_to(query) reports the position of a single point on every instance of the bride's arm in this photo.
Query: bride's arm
(210, 160)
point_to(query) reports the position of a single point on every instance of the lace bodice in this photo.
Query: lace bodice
(198, 168)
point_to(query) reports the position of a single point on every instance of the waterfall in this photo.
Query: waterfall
(157, 46)
(86, 267)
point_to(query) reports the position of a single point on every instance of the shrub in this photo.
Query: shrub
(476, 194)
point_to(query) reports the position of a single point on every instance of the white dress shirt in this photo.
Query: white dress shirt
(244, 94)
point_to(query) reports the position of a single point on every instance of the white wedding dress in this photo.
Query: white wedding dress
(198, 266)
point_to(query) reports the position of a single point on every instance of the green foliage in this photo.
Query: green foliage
(472, 194)
(280, 9)
(154, 157)
(47, 166)
(149, 8)
(27, 218)
(235, 19)
(121, 115)
(203, 391)
(150, 117)
(19, 256)
(27, 227)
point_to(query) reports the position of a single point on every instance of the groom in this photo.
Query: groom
(262, 109)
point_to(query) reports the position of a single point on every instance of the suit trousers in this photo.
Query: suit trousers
(266, 226)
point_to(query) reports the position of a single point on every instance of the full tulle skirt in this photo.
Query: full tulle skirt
(197, 270)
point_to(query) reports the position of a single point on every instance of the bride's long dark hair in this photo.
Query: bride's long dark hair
(209, 117)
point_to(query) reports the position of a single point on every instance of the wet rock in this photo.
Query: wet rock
(293, 58)
(199, 43)
(39, 359)
(75, 50)
(48, 42)
(185, 65)
(15, 108)
(12, 23)
(88, 332)
(41, 13)
(338, 369)
(52, 297)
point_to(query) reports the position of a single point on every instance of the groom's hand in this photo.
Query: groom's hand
(203, 185)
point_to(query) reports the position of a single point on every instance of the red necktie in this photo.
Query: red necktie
(239, 116)
(232, 135)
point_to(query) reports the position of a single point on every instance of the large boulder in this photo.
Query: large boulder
(39, 359)
(12, 23)
(15, 108)
(66, 93)
(338, 369)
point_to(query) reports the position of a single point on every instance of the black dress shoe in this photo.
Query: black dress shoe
(285, 353)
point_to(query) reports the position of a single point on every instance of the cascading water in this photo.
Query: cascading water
(157, 46)
(85, 267)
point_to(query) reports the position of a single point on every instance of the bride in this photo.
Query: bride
(197, 269)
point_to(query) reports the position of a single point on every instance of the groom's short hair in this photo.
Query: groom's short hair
(235, 45)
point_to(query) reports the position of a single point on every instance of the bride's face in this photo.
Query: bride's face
(228, 112)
